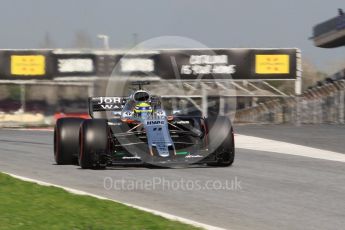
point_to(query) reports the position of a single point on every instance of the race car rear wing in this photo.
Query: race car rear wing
(101, 104)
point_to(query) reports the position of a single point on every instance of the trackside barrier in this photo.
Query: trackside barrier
(322, 104)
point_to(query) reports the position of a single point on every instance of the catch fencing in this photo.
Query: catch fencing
(321, 104)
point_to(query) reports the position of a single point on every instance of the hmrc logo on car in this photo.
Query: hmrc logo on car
(155, 122)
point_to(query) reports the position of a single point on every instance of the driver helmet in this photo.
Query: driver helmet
(142, 108)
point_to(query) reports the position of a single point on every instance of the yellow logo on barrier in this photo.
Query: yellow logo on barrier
(28, 65)
(272, 64)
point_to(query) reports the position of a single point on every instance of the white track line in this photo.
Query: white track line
(31, 129)
(155, 212)
(267, 145)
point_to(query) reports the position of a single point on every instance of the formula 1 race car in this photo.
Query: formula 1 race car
(138, 130)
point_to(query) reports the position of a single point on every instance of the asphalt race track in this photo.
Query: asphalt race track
(263, 190)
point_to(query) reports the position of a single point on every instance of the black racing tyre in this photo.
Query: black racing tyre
(221, 141)
(93, 144)
(66, 142)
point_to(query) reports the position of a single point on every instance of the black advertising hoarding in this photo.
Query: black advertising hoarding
(4, 63)
(274, 64)
(105, 63)
(206, 64)
(185, 64)
(143, 65)
(74, 64)
(25, 64)
(228, 64)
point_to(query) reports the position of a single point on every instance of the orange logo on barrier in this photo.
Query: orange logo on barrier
(28, 65)
(272, 64)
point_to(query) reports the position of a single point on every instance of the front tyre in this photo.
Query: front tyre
(221, 141)
(93, 144)
(66, 143)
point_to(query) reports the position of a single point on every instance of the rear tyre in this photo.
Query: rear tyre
(66, 143)
(93, 144)
(221, 141)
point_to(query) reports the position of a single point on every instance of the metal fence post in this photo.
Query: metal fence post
(204, 102)
(316, 110)
(221, 106)
(341, 106)
(335, 106)
(298, 110)
(22, 98)
(91, 89)
(298, 92)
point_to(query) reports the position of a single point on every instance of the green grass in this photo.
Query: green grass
(25, 205)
